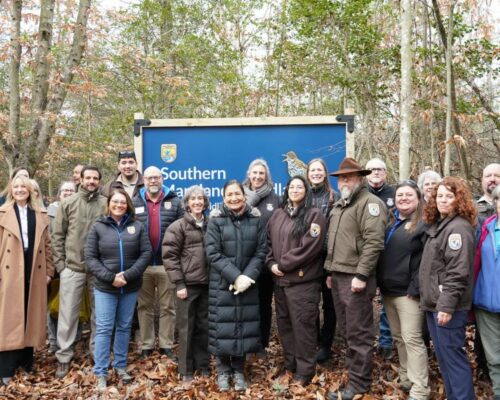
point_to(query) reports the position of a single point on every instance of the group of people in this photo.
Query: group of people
(215, 276)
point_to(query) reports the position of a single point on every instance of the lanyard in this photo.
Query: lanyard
(394, 227)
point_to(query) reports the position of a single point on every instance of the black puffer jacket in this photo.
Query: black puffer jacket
(171, 210)
(112, 248)
(236, 244)
(323, 199)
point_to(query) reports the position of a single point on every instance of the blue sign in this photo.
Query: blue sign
(209, 156)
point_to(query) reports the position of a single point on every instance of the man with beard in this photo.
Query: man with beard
(128, 178)
(156, 206)
(355, 240)
(489, 181)
(74, 217)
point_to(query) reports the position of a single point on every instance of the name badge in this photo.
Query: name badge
(139, 210)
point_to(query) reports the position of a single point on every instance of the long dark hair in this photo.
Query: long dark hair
(300, 225)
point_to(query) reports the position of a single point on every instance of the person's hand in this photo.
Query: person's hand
(242, 283)
(329, 281)
(119, 280)
(49, 279)
(357, 285)
(443, 318)
(276, 271)
(182, 294)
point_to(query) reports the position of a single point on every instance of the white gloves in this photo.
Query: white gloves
(241, 284)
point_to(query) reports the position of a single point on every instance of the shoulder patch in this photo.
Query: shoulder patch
(315, 230)
(374, 209)
(390, 202)
(269, 207)
(455, 241)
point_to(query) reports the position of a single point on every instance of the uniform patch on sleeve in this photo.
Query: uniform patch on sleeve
(374, 209)
(455, 241)
(315, 230)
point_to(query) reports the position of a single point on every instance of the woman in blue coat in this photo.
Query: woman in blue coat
(117, 252)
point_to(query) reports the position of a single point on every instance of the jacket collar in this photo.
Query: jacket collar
(88, 196)
(166, 191)
(436, 228)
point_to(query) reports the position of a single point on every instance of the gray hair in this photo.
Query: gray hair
(496, 193)
(432, 175)
(377, 160)
(262, 162)
(191, 191)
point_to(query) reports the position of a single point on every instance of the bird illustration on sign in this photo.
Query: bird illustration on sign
(295, 165)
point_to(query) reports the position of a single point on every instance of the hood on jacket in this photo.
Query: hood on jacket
(168, 193)
(226, 212)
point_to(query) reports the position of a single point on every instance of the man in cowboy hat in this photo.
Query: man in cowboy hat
(355, 240)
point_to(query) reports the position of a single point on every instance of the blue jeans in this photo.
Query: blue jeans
(385, 338)
(112, 311)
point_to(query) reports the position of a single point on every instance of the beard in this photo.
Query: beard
(346, 192)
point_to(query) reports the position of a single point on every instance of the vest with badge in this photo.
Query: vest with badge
(446, 269)
(170, 211)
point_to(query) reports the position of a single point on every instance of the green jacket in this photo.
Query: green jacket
(356, 234)
(73, 220)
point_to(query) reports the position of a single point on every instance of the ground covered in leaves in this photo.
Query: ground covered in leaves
(157, 378)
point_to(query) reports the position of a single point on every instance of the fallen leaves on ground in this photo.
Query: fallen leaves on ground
(157, 378)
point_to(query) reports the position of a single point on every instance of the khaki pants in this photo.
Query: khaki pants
(71, 289)
(155, 281)
(406, 321)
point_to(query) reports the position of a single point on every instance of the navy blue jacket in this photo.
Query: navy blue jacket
(113, 248)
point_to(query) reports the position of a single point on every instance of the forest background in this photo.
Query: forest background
(421, 76)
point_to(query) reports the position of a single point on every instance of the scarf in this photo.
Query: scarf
(255, 196)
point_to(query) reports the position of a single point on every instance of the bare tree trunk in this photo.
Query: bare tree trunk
(406, 94)
(11, 142)
(43, 127)
(458, 141)
(449, 103)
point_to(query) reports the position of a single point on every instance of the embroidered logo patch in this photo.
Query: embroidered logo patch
(455, 241)
(374, 209)
(131, 229)
(270, 207)
(315, 230)
(407, 225)
(168, 205)
(390, 202)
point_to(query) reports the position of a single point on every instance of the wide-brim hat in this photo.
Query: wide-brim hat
(350, 166)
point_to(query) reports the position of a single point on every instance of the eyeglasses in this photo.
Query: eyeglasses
(120, 202)
(376, 169)
(153, 178)
(67, 190)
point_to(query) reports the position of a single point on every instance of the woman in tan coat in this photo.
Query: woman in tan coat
(25, 270)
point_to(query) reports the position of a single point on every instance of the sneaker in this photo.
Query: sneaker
(101, 383)
(62, 370)
(123, 375)
(223, 382)
(240, 384)
(405, 386)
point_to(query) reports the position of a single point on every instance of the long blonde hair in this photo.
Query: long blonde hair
(32, 199)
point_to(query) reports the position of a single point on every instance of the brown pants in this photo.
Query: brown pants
(355, 312)
(296, 313)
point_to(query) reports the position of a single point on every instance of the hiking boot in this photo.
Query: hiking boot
(240, 384)
(187, 378)
(62, 370)
(169, 353)
(324, 354)
(146, 353)
(223, 382)
(101, 383)
(123, 375)
(386, 353)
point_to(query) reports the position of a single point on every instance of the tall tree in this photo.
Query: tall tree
(36, 104)
(406, 96)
